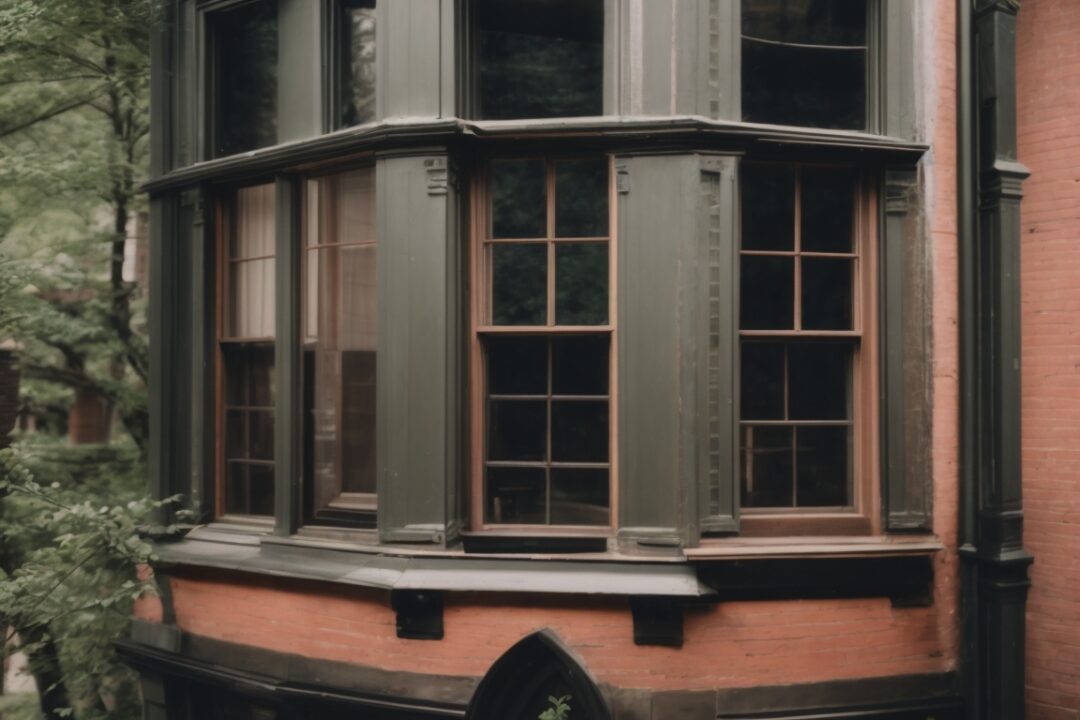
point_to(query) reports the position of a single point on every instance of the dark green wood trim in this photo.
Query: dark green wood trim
(300, 70)
(894, 66)
(907, 490)
(203, 298)
(720, 59)
(420, 381)
(288, 409)
(996, 563)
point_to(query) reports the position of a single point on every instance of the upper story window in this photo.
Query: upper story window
(538, 58)
(244, 62)
(804, 402)
(544, 321)
(340, 342)
(355, 58)
(804, 62)
(246, 330)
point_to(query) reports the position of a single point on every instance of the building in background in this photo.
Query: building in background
(662, 354)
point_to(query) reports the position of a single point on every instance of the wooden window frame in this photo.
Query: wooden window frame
(224, 230)
(862, 516)
(479, 309)
(349, 509)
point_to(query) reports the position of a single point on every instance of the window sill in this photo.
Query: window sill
(743, 548)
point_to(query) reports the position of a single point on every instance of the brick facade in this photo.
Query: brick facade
(1048, 78)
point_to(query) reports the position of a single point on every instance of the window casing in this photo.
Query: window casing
(808, 416)
(542, 348)
(246, 380)
(339, 336)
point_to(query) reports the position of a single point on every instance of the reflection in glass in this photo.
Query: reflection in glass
(581, 283)
(519, 284)
(357, 62)
(516, 495)
(581, 198)
(820, 375)
(580, 365)
(517, 430)
(579, 431)
(519, 202)
(762, 377)
(245, 49)
(804, 62)
(823, 458)
(580, 496)
(248, 370)
(826, 294)
(767, 293)
(828, 210)
(340, 339)
(540, 58)
(768, 207)
(517, 365)
(767, 478)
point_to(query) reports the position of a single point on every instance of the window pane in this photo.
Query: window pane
(581, 283)
(245, 77)
(357, 58)
(579, 431)
(341, 338)
(260, 434)
(249, 374)
(766, 467)
(251, 294)
(236, 434)
(517, 430)
(252, 306)
(580, 365)
(253, 234)
(581, 198)
(804, 62)
(828, 210)
(579, 497)
(236, 488)
(519, 284)
(823, 466)
(820, 375)
(519, 206)
(540, 58)
(516, 495)
(517, 365)
(762, 378)
(767, 297)
(826, 294)
(261, 478)
(768, 207)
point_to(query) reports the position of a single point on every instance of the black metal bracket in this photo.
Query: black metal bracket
(419, 614)
(658, 620)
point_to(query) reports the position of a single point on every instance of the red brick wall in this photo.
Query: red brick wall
(1049, 108)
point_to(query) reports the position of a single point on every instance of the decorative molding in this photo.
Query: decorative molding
(438, 175)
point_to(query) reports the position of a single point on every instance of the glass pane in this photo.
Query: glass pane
(349, 208)
(767, 297)
(515, 495)
(820, 378)
(826, 294)
(581, 198)
(808, 22)
(261, 478)
(823, 466)
(519, 203)
(358, 421)
(519, 284)
(540, 58)
(261, 434)
(235, 435)
(245, 77)
(357, 62)
(236, 488)
(579, 431)
(356, 288)
(581, 283)
(789, 85)
(762, 372)
(828, 210)
(517, 365)
(580, 365)
(768, 207)
(579, 497)
(251, 306)
(260, 375)
(253, 234)
(517, 430)
(766, 467)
